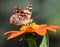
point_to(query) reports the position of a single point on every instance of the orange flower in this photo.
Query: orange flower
(39, 29)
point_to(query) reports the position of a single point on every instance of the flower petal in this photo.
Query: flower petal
(52, 29)
(23, 28)
(41, 31)
(54, 26)
(42, 26)
(6, 33)
(14, 34)
(34, 26)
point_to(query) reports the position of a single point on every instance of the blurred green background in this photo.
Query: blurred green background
(47, 10)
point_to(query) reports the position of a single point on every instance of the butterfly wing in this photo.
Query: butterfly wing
(28, 10)
(20, 17)
(14, 19)
(28, 13)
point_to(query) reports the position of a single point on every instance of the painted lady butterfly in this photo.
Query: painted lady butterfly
(20, 17)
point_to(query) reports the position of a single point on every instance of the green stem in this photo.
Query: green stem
(32, 42)
(47, 38)
(45, 41)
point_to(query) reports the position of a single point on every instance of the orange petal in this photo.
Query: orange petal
(42, 26)
(41, 31)
(14, 34)
(52, 29)
(6, 33)
(54, 26)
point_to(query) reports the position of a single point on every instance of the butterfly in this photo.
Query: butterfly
(21, 16)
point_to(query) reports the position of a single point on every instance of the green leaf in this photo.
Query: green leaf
(45, 41)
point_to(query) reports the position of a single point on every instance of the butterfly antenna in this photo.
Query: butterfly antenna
(35, 17)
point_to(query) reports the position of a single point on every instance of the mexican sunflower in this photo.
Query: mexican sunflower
(33, 27)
